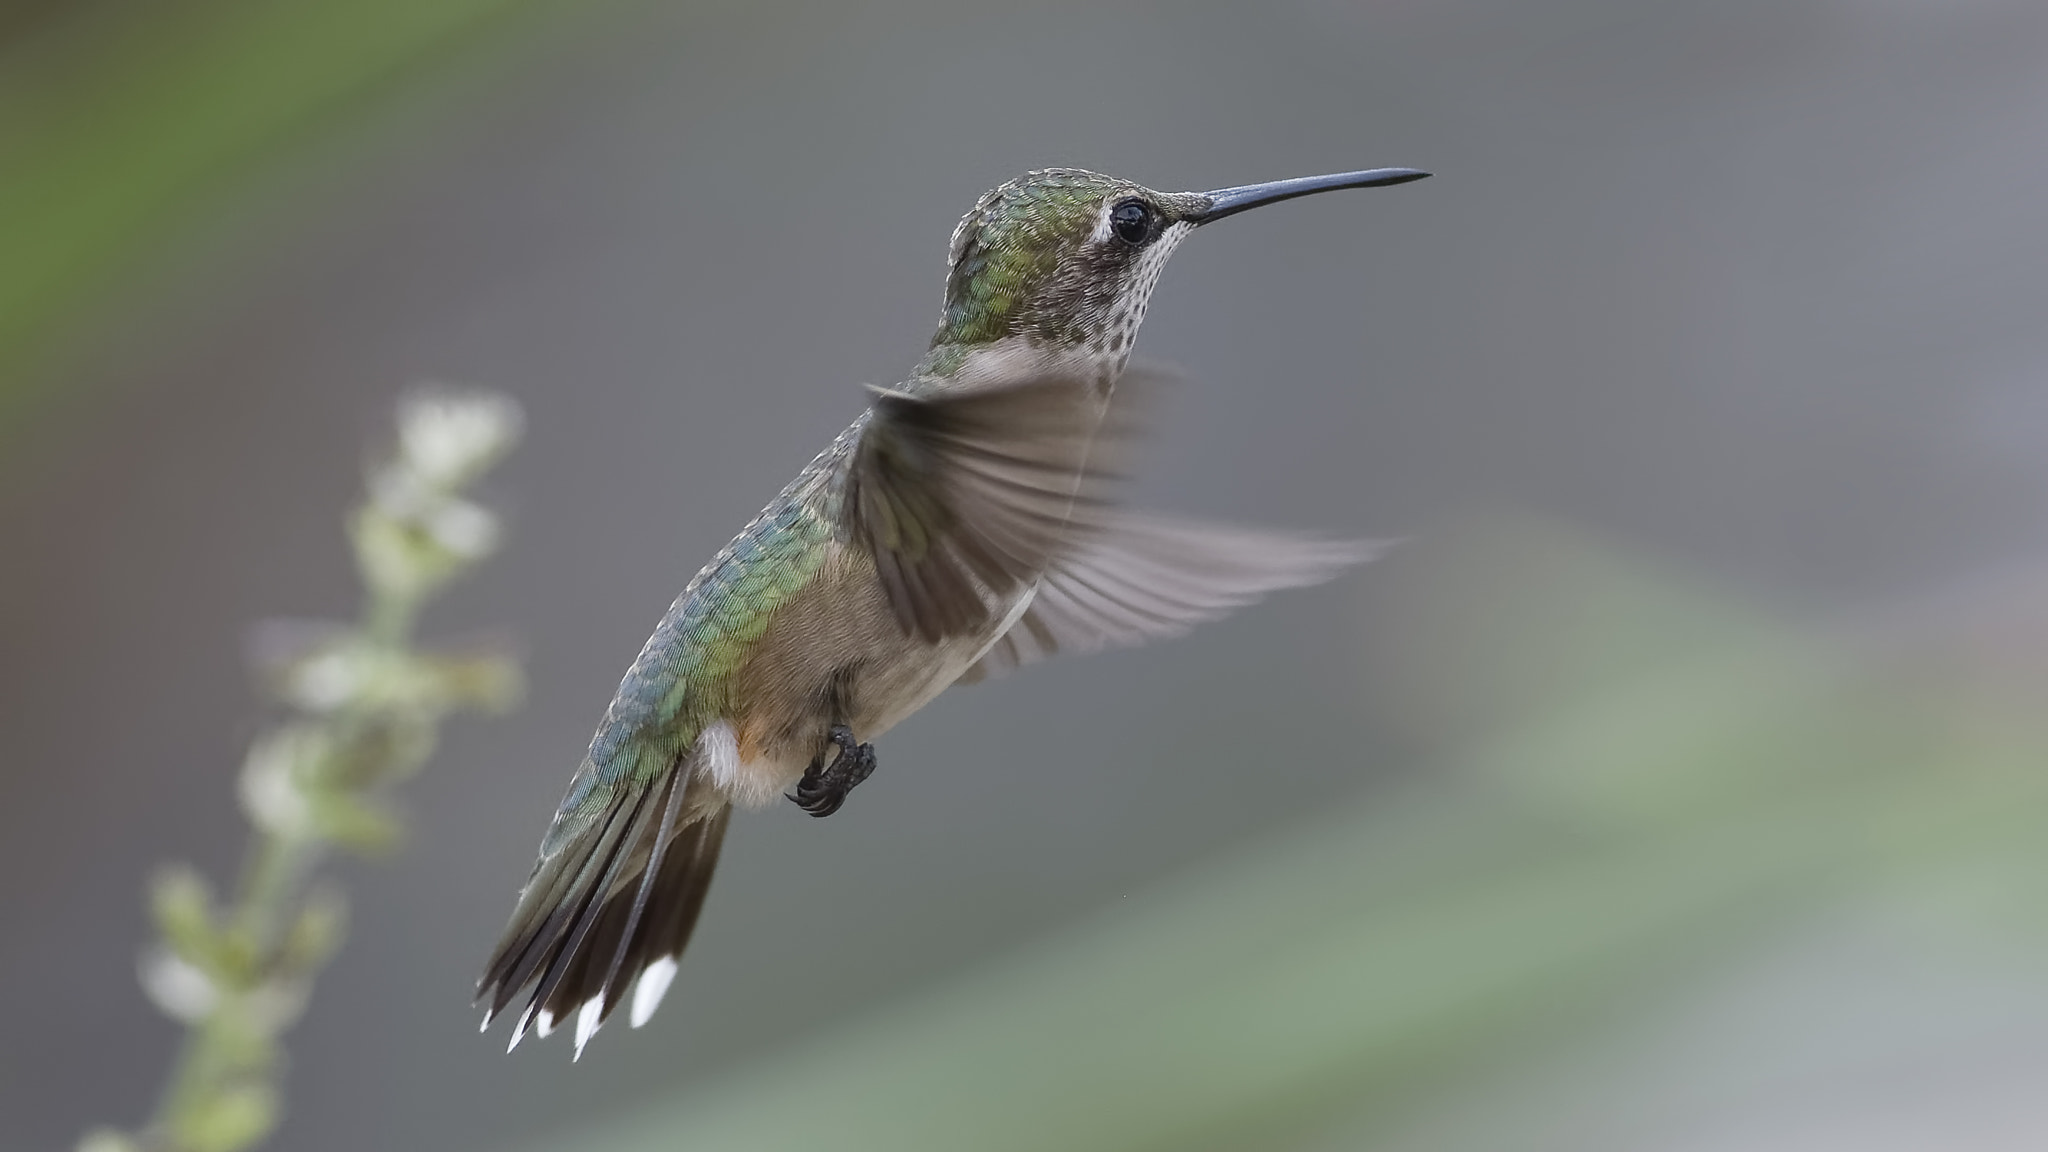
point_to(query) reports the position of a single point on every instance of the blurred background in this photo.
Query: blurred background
(1679, 785)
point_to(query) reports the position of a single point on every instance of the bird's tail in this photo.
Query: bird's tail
(610, 904)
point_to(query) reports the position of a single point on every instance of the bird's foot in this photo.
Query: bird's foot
(824, 786)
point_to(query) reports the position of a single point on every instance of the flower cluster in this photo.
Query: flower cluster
(364, 708)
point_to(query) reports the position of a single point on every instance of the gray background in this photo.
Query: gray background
(1754, 288)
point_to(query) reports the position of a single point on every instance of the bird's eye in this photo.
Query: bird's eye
(1131, 221)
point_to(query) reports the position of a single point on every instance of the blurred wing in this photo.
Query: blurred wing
(1133, 578)
(963, 497)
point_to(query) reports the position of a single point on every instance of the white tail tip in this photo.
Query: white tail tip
(653, 985)
(519, 1029)
(588, 1018)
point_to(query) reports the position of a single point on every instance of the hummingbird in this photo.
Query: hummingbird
(963, 526)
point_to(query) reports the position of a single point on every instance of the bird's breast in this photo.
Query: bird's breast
(833, 653)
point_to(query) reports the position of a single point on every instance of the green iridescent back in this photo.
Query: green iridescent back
(681, 680)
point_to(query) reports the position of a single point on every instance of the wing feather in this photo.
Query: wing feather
(1133, 578)
(963, 497)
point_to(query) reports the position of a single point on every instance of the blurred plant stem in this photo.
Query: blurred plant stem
(365, 709)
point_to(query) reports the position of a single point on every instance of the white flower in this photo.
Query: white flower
(468, 531)
(446, 438)
(271, 794)
(184, 992)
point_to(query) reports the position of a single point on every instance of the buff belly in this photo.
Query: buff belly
(832, 654)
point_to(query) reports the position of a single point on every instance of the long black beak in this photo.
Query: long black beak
(1230, 201)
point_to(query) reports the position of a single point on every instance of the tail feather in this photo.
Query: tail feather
(555, 896)
(684, 879)
(599, 914)
(618, 897)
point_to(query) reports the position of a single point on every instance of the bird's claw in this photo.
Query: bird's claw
(824, 786)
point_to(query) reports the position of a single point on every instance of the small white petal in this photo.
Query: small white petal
(447, 437)
(184, 992)
(587, 1019)
(326, 681)
(468, 530)
(271, 794)
(647, 994)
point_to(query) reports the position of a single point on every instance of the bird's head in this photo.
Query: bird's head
(1062, 262)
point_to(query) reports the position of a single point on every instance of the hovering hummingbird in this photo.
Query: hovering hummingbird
(961, 527)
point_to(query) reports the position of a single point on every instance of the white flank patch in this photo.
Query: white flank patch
(653, 985)
(717, 755)
(720, 750)
(587, 1019)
